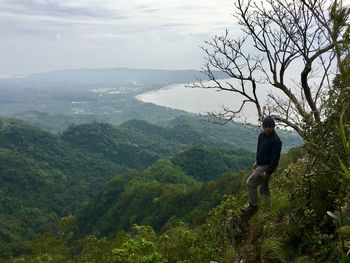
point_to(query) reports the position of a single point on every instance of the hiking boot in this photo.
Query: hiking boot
(249, 210)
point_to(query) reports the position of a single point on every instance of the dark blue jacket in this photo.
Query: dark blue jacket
(268, 151)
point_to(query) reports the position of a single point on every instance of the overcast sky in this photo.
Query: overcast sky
(45, 35)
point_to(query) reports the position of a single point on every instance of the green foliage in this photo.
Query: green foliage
(123, 146)
(180, 243)
(42, 179)
(304, 259)
(137, 144)
(343, 215)
(137, 250)
(141, 248)
(164, 171)
(217, 224)
(133, 198)
(207, 164)
(345, 137)
(175, 243)
(203, 131)
(272, 249)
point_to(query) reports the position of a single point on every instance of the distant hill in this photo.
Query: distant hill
(229, 136)
(95, 77)
(205, 164)
(54, 100)
(123, 145)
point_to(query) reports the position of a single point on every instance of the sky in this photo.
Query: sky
(46, 35)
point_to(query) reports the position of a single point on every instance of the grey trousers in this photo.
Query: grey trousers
(254, 181)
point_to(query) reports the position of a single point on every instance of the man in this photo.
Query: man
(267, 158)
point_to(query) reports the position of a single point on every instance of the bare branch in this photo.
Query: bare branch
(286, 34)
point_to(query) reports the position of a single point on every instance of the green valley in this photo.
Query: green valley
(107, 174)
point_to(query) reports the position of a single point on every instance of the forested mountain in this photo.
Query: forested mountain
(115, 175)
(46, 176)
(231, 135)
(43, 178)
(161, 198)
(168, 190)
(132, 200)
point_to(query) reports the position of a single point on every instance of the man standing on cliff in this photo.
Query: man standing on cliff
(267, 158)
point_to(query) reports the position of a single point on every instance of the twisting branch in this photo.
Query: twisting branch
(227, 56)
(292, 39)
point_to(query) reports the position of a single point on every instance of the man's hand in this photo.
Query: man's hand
(265, 176)
(254, 166)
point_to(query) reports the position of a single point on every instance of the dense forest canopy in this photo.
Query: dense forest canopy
(92, 167)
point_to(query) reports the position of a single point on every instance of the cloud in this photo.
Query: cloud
(91, 30)
(136, 14)
(104, 36)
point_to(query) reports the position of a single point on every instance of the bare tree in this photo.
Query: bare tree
(300, 38)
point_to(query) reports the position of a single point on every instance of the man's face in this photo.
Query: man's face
(268, 130)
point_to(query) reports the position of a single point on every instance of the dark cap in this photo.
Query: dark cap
(268, 122)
